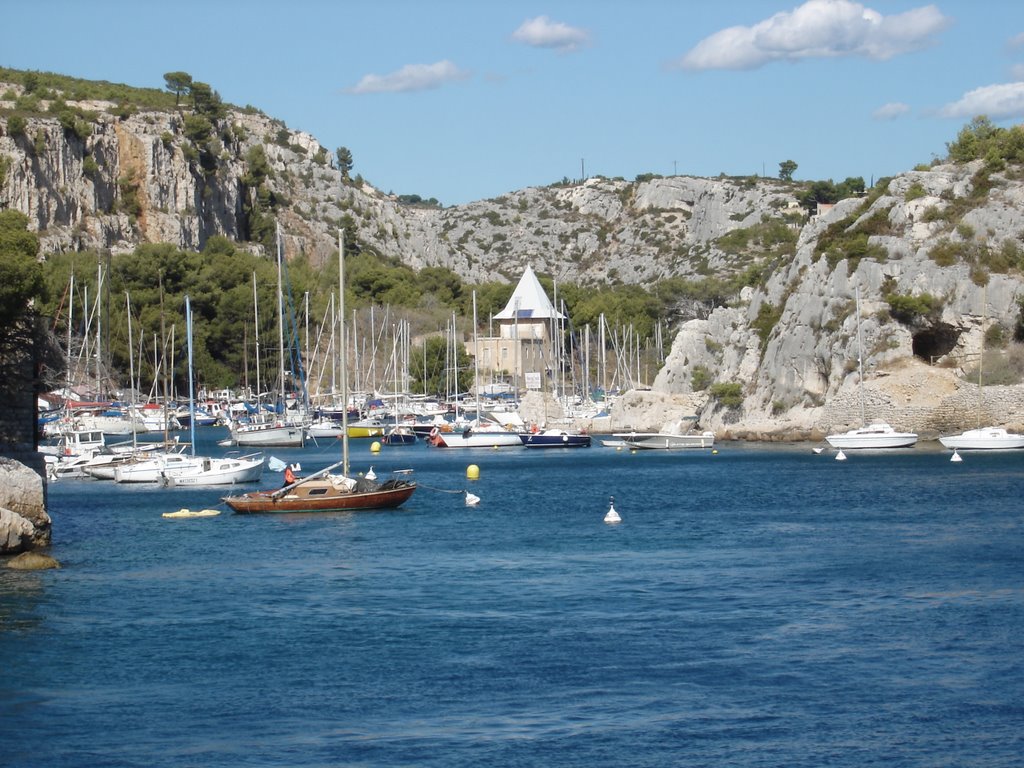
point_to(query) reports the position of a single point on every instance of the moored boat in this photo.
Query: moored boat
(328, 493)
(986, 438)
(878, 434)
(666, 440)
(229, 470)
(555, 438)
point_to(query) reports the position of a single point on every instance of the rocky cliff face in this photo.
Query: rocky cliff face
(801, 377)
(791, 343)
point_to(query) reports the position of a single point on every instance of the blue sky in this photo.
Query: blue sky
(464, 100)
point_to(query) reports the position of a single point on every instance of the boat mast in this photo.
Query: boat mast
(344, 365)
(280, 326)
(476, 362)
(191, 385)
(860, 357)
(256, 334)
(131, 371)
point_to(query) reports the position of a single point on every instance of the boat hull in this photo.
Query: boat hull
(322, 496)
(471, 439)
(269, 437)
(990, 439)
(219, 472)
(555, 440)
(878, 435)
(666, 441)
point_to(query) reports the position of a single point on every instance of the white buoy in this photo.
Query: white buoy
(956, 456)
(472, 499)
(612, 516)
(371, 475)
(840, 456)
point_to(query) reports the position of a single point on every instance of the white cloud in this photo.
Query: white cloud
(891, 111)
(817, 29)
(997, 102)
(541, 32)
(1017, 71)
(1017, 41)
(411, 77)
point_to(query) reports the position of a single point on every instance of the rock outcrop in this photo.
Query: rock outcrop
(24, 523)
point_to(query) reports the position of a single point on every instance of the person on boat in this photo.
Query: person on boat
(289, 475)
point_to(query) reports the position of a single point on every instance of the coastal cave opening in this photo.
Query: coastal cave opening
(935, 341)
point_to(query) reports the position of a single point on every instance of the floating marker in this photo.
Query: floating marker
(840, 456)
(473, 472)
(612, 516)
(371, 475)
(956, 456)
(374, 447)
(472, 499)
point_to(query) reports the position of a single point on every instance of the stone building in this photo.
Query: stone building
(521, 354)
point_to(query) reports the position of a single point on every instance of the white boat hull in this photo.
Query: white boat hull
(287, 436)
(152, 470)
(987, 439)
(666, 441)
(472, 439)
(878, 435)
(227, 471)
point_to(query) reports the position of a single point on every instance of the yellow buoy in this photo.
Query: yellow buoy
(374, 447)
(473, 472)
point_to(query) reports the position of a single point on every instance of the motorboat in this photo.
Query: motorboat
(275, 434)
(985, 438)
(228, 470)
(666, 440)
(475, 436)
(555, 438)
(878, 434)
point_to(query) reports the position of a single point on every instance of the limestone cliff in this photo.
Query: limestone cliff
(800, 376)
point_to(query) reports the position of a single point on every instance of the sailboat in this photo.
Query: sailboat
(398, 434)
(479, 434)
(228, 470)
(323, 491)
(877, 434)
(277, 432)
(983, 438)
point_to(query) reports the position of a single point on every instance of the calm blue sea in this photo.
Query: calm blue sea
(760, 606)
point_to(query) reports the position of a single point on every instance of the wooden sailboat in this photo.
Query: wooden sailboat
(324, 491)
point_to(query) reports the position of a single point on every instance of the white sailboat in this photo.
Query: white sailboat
(877, 434)
(990, 438)
(480, 434)
(230, 469)
(276, 432)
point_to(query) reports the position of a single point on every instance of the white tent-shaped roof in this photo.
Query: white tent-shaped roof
(528, 301)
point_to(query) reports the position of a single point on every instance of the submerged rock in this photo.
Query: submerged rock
(32, 561)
